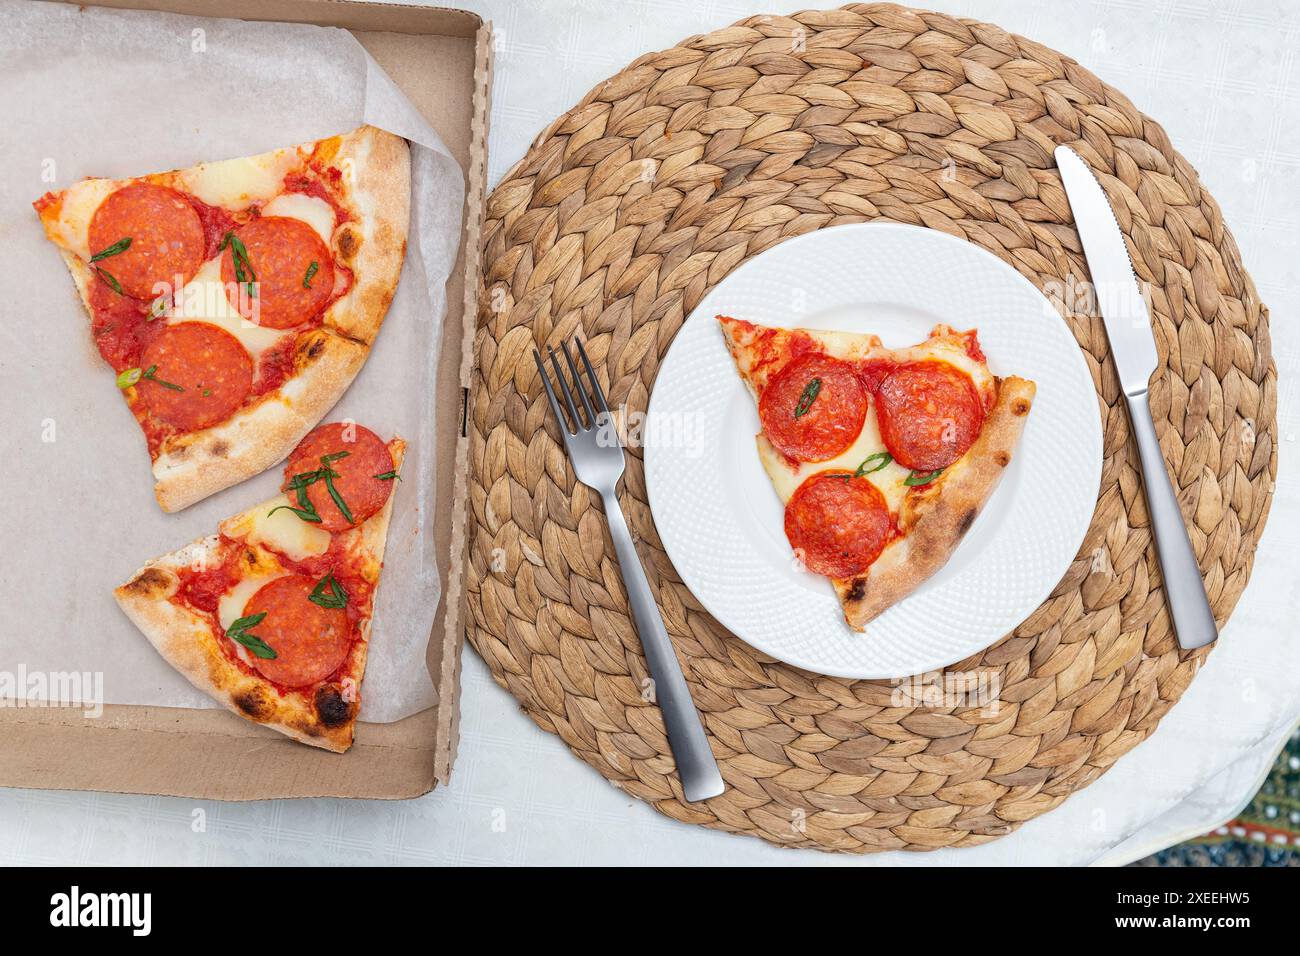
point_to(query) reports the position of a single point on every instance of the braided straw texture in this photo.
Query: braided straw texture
(628, 208)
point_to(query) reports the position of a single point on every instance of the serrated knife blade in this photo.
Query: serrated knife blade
(1118, 295)
(1127, 319)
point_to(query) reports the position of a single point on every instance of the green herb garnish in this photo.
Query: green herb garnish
(130, 376)
(311, 271)
(388, 476)
(301, 481)
(238, 632)
(108, 277)
(336, 598)
(881, 459)
(916, 478)
(305, 510)
(120, 246)
(870, 465)
(149, 373)
(808, 397)
(330, 474)
(243, 266)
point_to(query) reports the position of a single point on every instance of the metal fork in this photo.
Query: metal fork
(598, 462)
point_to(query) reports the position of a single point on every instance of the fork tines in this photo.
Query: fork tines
(574, 423)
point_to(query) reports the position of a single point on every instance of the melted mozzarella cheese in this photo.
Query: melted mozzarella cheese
(953, 353)
(843, 345)
(71, 229)
(312, 210)
(853, 346)
(281, 531)
(230, 607)
(238, 183)
(204, 299)
(787, 476)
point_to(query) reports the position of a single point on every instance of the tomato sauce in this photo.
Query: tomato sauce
(312, 186)
(276, 365)
(202, 589)
(45, 202)
(216, 223)
(873, 371)
(120, 325)
(771, 345)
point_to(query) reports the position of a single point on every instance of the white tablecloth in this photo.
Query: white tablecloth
(1219, 76)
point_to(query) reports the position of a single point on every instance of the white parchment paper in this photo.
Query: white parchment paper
(92, 92)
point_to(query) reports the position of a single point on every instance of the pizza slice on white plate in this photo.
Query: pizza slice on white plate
(882, 457)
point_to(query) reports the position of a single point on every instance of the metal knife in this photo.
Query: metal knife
(1132, 345)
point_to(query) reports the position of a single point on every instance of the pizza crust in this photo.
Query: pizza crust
(935, 520)
(374, 246)
(377, 189)
(189, 642)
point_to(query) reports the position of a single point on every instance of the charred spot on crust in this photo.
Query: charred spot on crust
(1001, 458)
(332, 709)
(149, 581)
(254, 704)
(250, 558)
(966, 521)
(858, 589)
(219, 448)
(348, 243)
(1020, 406)
(311, 348)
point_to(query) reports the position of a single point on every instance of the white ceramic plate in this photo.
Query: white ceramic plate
(722, 523)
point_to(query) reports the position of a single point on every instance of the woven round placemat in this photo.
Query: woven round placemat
(628, 208)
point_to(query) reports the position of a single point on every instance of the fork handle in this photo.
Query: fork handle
(695, 763)
(1184, 588)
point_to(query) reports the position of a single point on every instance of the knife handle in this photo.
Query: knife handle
(1184, 588)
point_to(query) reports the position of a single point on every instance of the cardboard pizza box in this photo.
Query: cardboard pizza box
(441, 60)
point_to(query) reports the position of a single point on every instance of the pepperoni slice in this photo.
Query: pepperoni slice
(166, 239)
(356, 472)
(310, 641)
(930, 413)
(837, 524)
(281, 251)
(200, 375)
(813, 408)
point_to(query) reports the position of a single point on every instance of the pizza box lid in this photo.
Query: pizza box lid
(441, 60)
